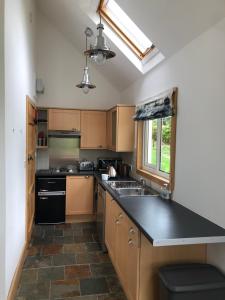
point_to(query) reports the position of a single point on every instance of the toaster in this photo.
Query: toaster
(86, 165)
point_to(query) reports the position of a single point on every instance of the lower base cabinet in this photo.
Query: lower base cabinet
(135, 259)
(122, 239)
(111, 212)
(79, 195)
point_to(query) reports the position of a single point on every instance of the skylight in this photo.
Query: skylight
(138, 42)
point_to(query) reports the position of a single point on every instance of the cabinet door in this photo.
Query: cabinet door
(79, 195)
(132, 263)
(114, 129)
(122, 239)
(64, 119)
(109, 129)
(125, 129)
(110, 225)
(121, 246)
(93, 129)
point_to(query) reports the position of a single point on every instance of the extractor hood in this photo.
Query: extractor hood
(63, 134)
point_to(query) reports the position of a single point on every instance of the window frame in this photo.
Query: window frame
(150, 173)
(102, 10)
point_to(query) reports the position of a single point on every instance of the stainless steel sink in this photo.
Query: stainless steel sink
(124, 184)
(131, 188)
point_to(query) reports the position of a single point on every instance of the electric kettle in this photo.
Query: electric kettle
(111, 171)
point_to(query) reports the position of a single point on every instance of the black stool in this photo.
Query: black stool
(191, 282)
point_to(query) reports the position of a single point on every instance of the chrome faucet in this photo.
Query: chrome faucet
(143, 182)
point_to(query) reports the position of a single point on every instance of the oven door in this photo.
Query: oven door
(50, 208)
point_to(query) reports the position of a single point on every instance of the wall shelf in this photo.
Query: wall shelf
(42, 129)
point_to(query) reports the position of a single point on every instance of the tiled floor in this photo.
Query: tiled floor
(65, 262)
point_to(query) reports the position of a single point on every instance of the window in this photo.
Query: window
(155, 145)
(120, 22)
(156, 139)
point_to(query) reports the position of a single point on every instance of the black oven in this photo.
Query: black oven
(50, 200)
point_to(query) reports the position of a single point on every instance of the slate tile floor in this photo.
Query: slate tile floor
(64, 262)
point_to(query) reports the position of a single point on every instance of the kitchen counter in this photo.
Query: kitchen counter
(163, 222)
(97, 174)
(47, 173)
(166, 222)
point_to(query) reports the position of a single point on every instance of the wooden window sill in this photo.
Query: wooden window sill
(155, 178)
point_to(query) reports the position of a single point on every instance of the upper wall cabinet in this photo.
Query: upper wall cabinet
(120, 128)
(93, 129)
(64, 119)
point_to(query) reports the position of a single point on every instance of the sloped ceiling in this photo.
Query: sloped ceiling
(169, 24)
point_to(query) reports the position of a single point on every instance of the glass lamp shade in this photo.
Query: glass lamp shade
(85, 89)
(99, 58)
(86, 84)
(100, 52)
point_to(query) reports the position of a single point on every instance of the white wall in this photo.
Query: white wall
(198, 70)
(60, 66)
(19, 82)
(2, 156)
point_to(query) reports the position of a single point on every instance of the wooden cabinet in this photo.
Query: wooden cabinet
(109, 129)
(121, 257)
(135, 259)
(93, 129)
(122, 239)
(113, 130)
(121, 128)
(111, 213)
(64, 119)
(79, 195)
(127, 254)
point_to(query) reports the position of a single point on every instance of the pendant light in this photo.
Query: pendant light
(100, 52)
(86, 84)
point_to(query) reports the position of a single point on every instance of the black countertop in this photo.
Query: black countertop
(47, 173)
(166, 222)
(163, 222)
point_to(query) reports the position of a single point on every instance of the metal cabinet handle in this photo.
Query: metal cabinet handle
(132, 230)
(43, 198)
(120, 215)
(43, 190)
(86, 177)
(130, 242)
(117, 222)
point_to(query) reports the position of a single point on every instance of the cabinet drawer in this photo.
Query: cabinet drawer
(51, 184)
